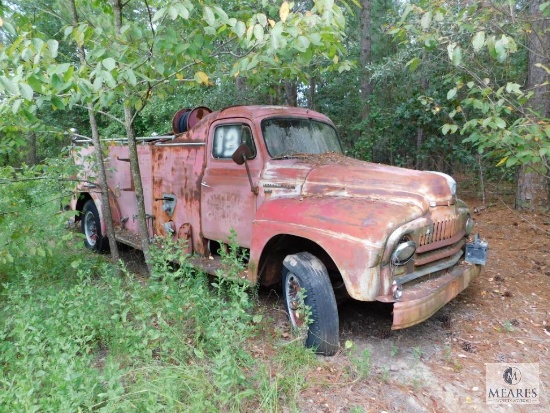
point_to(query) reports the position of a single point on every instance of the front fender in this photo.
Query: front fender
(353, 232)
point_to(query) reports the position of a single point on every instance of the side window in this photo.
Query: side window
(227, 139)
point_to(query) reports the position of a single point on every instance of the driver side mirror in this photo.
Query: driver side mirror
(241, 154)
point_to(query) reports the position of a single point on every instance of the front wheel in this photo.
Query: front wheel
(310, 302)
(91, 228)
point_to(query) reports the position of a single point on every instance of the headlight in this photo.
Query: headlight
(469, 225)
(403, 253)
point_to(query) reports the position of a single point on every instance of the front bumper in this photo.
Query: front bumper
(420, 301)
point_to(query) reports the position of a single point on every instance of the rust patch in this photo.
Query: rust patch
(421, 301)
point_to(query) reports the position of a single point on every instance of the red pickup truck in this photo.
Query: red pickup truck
(311, 219)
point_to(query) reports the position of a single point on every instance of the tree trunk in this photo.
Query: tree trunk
(32, 158)
(421, 162)
(533, 185)
(311, 94)
(138, 185)
(134, 163)
(105, 206)
(291, 93)
(365, 56)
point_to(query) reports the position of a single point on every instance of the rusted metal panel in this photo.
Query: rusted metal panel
(228, 202)
(351, 256)
(364, 220)
(421, 301)
(177, 172)
(364, 179)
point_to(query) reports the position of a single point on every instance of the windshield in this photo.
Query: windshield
(288, 136)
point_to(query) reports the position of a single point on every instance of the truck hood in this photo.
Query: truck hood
(339, 176)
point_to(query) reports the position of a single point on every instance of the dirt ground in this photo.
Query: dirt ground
(439, 365)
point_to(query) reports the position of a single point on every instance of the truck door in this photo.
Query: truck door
(227, 201)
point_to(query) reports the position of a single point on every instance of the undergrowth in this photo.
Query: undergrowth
(76, 337)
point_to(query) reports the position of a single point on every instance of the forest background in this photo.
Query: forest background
(454, 87)
(460, 87)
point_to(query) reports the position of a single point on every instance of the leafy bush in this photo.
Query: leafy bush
(74, 336)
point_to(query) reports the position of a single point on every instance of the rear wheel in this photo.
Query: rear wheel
(310, 302)
(91, 228)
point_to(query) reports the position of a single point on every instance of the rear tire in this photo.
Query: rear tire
(308, 293)
(91, 228)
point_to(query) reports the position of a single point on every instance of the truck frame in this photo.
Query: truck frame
(314, 221)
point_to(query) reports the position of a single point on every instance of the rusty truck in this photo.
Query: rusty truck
(314, 222)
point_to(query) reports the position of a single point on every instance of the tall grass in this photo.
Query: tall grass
(76, 337)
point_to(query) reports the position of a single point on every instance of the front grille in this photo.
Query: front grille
(440, 231)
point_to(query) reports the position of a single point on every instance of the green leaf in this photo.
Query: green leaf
(451, 93)
(57, 83)
(478, 41)
(53, 46)
(511, 162)
(303, 42)
(9, 28)
(182, 10)
(159, 14)
(109, 63)
(449, 128)
(500, 123)
(239, 29)
(262, 19)
(59, 69)
(426, 20)
(8, 85)
(16, 105)
(513, 87)
(413, 64)
(276, 38)
(26, 91)
(57, 103)
(258, 32)
(455, 53)
(35, 83)
(209, 16)
(131, 77)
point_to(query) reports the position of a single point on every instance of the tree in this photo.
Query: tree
(139, 49)
(485, 100)
(105, 206)
(533, 186)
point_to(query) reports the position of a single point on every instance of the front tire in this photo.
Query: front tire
(91, 228)
(309, 297)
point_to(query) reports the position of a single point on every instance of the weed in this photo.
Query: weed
(360, 362)
(76, 337)
(508, 326)
(450, 359)
(394, 350)
(385, 374)
(417, 353)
